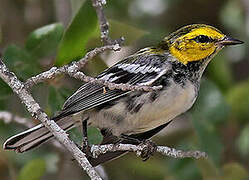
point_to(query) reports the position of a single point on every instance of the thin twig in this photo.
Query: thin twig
(73, 67)
(37, 113)
(96, 150)
(103, 24)
(8, 117)
(73, 71)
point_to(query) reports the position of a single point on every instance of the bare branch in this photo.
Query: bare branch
(74, 67)
(73, 71)
(104, 25)
(37, 113)
(164, 150)
(8, 117)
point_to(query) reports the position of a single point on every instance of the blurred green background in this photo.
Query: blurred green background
(36, 34)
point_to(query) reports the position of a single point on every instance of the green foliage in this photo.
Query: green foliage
(73, 44)
(235, 13)
(149, 171)
(43, 41)
(184, 169)
(130, 33)
(209, 111)
(224, 97)
(20, 61)
(243, 141)
(238, 99)
(33, 170)
(233, 171)
(207, 169)
(220, 72)
(5, 89)
(94, 135)
(55, 99)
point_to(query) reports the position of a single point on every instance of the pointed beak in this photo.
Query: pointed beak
(226, 41)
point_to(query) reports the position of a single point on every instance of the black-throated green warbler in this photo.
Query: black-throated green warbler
(176, 63)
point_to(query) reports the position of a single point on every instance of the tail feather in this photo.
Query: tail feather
(103, 158)
(33, 137)
(37, 135)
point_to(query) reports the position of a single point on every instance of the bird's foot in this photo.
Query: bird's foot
(149, 148)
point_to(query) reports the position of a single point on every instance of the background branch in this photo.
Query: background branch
(8, 117)
(103, 24)
(73, 71)
(37, 113)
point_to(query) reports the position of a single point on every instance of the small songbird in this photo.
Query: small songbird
(176, 63)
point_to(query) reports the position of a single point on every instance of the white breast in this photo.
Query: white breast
(172, 102)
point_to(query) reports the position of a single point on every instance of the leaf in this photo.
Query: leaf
(75, 6)
(4, 90)
(209, 110)
(43, 41)
(20, 61)
(73, 44)
(233, 171)
(207, 168)
(219, 71)
(56, 99)
(12, 54)
(93, 68)
(238, 99)
(94, 135)
(243, 141)
(33, 170)
(184, 169)
(76, 135)
(118, 29)
(150, 171)
(233, 10)
(211, 104)
(130, 33)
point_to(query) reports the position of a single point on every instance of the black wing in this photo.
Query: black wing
(140, 69)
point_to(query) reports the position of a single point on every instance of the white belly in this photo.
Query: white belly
(172, 102)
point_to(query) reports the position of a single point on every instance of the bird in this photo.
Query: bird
(176, 64)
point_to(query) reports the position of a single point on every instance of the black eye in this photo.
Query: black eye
(202, 39)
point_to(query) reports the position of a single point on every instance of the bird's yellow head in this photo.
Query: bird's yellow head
(197, 42)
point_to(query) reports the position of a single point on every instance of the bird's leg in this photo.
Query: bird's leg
(85, 144)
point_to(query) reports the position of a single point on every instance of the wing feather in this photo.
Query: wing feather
(135, 70)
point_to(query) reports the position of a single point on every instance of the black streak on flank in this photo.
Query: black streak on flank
(134, 106)
(117, 119)
(154, 96)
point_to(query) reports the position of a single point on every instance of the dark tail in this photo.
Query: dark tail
(35, 136)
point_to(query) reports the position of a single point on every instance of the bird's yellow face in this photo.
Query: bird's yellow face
(197, 42)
